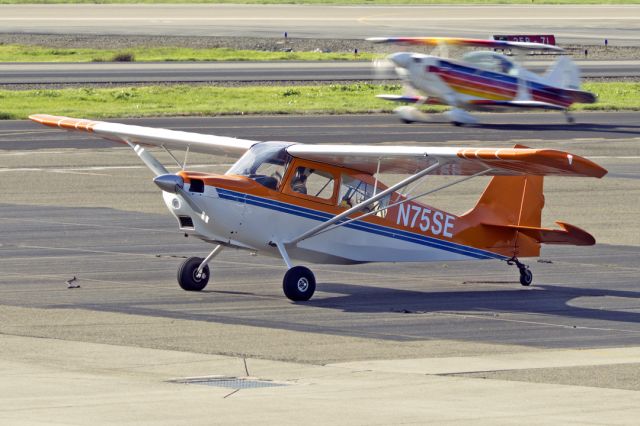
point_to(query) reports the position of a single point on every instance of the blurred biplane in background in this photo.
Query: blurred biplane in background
(481, 81)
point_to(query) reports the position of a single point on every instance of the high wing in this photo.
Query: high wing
(453, 161)
(471, 42)
(393, 159)
(170, 139)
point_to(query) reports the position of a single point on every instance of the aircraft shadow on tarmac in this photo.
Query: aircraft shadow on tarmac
(538, 299)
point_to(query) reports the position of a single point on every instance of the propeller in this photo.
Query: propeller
(167, 181)
(384, 69)
(175, 185)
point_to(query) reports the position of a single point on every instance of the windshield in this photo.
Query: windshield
(264, 162)
(490, 61)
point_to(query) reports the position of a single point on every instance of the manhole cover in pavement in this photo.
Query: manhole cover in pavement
(229, 382)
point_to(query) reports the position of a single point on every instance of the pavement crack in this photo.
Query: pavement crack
(229, 394)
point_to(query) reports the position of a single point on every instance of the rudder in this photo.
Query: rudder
(508, 201)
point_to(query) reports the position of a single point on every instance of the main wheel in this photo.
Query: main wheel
(299, 284)
(526, 277)
(188, 276)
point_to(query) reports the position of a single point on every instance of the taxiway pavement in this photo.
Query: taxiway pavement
(587, 24)
(446, 342)
(198, 72)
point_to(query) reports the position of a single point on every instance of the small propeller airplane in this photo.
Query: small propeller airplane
(325, 203)
(481, 81)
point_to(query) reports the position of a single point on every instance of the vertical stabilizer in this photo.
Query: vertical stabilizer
(564, 73)
(507, 202)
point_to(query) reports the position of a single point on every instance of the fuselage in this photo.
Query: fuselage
(242, 212)
(460, 83)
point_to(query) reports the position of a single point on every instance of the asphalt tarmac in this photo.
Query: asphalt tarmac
(450, 342)
(585, 24)
(198, 72)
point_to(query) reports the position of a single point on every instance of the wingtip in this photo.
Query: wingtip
(64, 122)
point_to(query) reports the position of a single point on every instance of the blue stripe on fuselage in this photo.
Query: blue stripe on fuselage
(359, 225)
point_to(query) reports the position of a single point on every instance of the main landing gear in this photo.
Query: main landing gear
(526, 276)
(298, 284)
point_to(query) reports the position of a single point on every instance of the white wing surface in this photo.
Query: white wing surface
(170, 139)
(469, 42)
(455, 161)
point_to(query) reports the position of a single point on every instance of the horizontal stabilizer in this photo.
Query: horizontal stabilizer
(569, 234)
(582, 97)
(515, 104)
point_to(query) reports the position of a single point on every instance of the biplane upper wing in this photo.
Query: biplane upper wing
(453, 161)
(170, 139)
(470, 42)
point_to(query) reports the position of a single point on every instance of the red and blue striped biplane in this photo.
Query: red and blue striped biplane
(482, 80)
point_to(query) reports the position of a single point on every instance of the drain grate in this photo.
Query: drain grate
(229, 382)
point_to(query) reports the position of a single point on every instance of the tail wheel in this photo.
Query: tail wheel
(188, 276)
(526, 277)
(299, 284)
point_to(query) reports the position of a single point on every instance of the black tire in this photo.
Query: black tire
(526, 277)
(456, 123)
(405, 121)
(299, 284)
(187, 275)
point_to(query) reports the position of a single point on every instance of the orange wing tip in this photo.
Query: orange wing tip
(64, 122)
(535, 161)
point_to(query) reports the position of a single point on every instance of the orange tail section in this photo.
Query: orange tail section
(507, 219)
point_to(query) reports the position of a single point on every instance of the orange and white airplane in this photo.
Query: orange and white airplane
(482, 80)
(325, 203)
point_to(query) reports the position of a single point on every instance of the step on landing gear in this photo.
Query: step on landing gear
(526, 276)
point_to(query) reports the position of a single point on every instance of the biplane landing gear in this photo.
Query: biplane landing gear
(299, 284)
(570, 118)
(526, 276)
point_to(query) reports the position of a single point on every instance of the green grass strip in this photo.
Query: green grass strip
(337, 2)
(208, 100)
(21, 53)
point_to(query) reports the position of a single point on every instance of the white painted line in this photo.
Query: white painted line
(501, 362)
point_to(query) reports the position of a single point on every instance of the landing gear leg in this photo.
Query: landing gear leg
(193, 274)
(526, 276)
(298, 283)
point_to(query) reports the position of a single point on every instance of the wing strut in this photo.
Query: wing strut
(151, 162)
(365, 203)
(406, 200)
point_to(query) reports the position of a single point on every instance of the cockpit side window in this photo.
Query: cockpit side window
(312, 182)
(354, 191)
